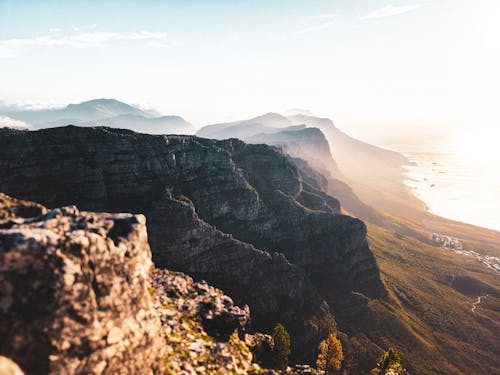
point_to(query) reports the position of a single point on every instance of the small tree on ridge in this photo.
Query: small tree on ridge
(281, 346)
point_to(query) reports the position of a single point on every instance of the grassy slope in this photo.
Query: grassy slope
(426, 316)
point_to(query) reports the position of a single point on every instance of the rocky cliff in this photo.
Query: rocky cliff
(200, 198)
(301, 142)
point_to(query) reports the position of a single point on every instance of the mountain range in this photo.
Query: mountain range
(270, 218)
(103, 112)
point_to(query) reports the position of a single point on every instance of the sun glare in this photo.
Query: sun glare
(479, 147)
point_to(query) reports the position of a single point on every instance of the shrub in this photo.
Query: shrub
(389, 361)
(330, 355)
(281, 350)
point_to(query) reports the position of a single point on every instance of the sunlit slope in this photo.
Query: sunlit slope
(429, 314)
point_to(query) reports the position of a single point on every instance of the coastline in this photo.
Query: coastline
(451, 190)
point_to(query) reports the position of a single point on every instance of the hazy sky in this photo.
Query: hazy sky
(370, 65)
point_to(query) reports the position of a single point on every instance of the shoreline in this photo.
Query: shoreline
(414, 176)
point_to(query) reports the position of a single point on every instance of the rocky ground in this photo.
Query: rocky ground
(203, 330)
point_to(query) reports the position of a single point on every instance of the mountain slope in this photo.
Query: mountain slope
(79, 296)
(245, 128)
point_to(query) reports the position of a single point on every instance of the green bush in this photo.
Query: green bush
(281, 350)
(389, 361)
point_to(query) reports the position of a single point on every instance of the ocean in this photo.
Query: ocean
(456, 183)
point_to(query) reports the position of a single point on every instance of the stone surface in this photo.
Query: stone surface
(74, 291)
(9, 367)
(262, 346)
(202, 327)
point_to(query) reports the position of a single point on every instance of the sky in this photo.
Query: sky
(375, 67)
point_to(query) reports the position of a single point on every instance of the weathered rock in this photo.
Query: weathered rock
(201, 326)
(74, 291)
(9, 367)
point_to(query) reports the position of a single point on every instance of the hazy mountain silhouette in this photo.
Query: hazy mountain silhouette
(108, 112)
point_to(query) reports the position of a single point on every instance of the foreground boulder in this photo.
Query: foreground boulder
(74, 292)
(8, 367)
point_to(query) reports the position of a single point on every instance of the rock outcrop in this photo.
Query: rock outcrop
(74, 291)
(204, 331)
(200, 198)
(9, 367)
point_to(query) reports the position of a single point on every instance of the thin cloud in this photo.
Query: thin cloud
(11, 47)
(327, 22)
(390, 10)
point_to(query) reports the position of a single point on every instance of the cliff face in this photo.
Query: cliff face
(187, 187)
(74, 291)
(301, 142)
(274, 289)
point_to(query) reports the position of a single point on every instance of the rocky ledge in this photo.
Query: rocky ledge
(204, 331)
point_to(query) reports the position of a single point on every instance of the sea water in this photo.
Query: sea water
(456, 183)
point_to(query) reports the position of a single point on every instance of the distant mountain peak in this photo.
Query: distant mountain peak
(104, 104)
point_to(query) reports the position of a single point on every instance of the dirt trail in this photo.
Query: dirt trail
(478, 301)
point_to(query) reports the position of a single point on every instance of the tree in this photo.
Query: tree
(281, 349)
(389, 361)
(330, 355)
